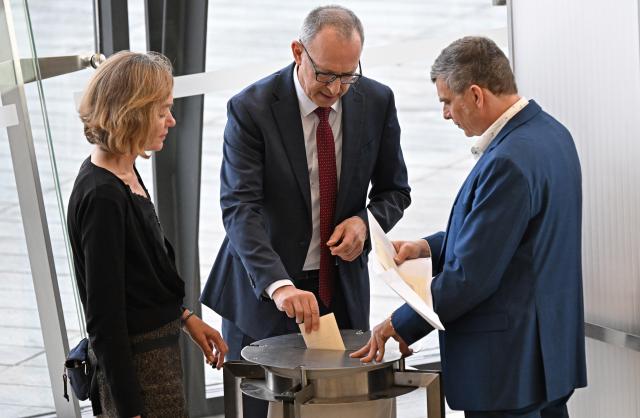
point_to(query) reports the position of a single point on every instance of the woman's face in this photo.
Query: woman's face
(162, 121)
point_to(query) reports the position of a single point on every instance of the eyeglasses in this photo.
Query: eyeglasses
(328, 78)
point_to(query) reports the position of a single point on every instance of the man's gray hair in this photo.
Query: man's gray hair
(474, 60)
(338, 17)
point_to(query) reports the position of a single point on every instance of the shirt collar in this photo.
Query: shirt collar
(489, 135)
(306, 104)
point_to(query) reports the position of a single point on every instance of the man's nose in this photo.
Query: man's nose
(335, 86)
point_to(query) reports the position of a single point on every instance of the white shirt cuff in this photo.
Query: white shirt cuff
(277, 285)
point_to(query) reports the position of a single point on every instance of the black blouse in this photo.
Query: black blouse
(126, 275)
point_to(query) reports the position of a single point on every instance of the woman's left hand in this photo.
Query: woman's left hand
(210, 341)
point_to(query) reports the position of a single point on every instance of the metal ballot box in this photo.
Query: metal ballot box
(281, 369)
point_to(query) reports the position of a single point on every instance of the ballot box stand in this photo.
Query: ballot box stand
(281, 369)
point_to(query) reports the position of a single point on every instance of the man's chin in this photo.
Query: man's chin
(325, 101)
(467, 133)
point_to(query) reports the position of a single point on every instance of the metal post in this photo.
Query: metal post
(34, 220)
(111, 19)
(178, 29)
(428, 380)
(233, 372)
(435, 399)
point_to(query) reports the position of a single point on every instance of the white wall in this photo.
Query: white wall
(580, 59)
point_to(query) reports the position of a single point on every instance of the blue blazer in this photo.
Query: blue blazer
(508, 279)
(266, 198)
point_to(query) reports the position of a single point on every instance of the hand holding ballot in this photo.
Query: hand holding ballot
(325, 337)
(407, 270)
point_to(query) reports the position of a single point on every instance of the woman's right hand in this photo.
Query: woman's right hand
(210, 341)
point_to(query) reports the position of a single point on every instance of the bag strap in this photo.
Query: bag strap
(64, 382)
(94, 392)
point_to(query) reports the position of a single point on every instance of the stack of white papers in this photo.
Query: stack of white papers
(411, 280)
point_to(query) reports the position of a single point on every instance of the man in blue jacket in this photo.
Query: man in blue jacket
(307, 150)
(508, 281)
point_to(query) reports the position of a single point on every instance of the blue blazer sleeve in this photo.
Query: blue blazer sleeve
(407, 323)
(487, 236)
(488, 233)
(435, 245)
(241, 198)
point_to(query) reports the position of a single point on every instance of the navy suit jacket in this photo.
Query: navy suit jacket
(266, 199)
(508, 279)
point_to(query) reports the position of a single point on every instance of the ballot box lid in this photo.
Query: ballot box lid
(288, 353)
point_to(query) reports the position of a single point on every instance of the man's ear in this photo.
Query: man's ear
(296, 50)
(477, 94)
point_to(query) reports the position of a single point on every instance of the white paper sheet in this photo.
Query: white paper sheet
(395, 282)
(411, 280)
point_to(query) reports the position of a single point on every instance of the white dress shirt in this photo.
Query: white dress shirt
(489, 135)
(309, 126)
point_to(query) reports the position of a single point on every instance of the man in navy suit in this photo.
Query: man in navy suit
(508, 281)
(301, 149)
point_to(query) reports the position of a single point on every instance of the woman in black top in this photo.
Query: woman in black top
(129, 287)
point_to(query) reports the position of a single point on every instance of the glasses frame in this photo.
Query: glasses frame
(352, 77)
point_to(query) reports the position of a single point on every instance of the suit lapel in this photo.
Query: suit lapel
(518, 119)
(353, 105)
(286, 113)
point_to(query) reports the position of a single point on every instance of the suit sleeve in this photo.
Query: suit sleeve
(102, 226)
(241, 199)
(407, 323)
(435, 245)
(487, 238)
(390, 192)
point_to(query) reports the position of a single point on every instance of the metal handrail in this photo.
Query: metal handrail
(612, 336)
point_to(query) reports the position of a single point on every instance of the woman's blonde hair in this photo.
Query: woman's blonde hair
(122, 99)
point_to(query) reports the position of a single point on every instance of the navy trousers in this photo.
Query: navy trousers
(546, 409)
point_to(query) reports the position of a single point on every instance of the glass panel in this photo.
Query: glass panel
(25, 386)
(59, 29)
(412, 33)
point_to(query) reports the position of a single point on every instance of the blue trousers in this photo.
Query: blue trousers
(546, 409)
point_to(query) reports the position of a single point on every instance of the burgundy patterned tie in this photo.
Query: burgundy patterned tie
(328, 190)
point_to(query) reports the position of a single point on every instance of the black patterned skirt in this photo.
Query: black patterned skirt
(159, 372)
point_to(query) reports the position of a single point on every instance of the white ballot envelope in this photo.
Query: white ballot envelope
(327, 337)
(411, 280)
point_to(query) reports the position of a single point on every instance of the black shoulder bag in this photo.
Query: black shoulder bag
(80, 373)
